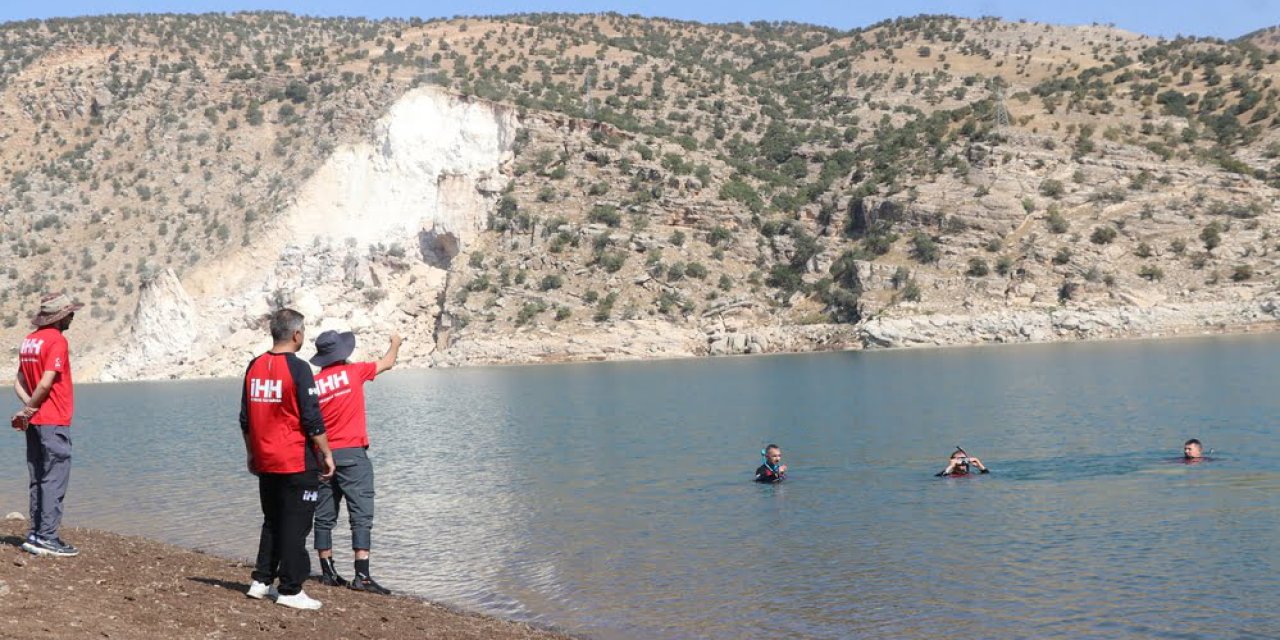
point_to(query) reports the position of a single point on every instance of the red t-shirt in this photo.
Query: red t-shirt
(341, 388)
(46, 350)
(278, 411)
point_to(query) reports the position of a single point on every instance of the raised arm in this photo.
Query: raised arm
(389, 358)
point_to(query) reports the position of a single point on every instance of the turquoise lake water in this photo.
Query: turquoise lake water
(614, 500)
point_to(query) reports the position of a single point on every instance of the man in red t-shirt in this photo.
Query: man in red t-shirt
(43, 384)
(287, 448)
(341, 387)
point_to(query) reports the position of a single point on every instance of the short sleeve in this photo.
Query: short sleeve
(367, 371)
(55, 359)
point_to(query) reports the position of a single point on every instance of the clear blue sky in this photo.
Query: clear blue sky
(1222, 18)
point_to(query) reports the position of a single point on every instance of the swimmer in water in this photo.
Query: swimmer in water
(772, 470)
(960, 463)
(1192, 451)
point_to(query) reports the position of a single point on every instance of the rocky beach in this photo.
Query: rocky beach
(129, 587)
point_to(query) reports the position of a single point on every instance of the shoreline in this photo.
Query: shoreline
(133, 587)
(1170, 334)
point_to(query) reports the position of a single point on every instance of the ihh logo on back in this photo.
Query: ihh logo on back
(31, 347)
(329, 384)
(266, 390)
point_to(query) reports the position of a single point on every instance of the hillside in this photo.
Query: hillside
(554, 187)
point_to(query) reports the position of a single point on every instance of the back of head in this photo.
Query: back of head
(284, 322)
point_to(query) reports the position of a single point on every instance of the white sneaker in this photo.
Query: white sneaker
(258, 591)
(299, 600)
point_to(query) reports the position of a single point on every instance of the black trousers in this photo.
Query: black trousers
(288, 505)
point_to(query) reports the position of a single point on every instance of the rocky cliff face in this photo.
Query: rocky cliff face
(366, 246)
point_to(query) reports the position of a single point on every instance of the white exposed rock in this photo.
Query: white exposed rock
(365, 247)
(166, 327)
(14, 515)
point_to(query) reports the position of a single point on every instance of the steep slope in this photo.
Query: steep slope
(548, 187)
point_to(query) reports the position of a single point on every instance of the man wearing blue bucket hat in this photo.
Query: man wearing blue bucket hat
(341, 387)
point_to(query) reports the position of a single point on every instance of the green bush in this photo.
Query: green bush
(784, 278)
(1102, 235)
(742, 192)
(607, 214)
(1057, 223)
(553, 281)
(911, 291)
(612, 261)
(718, 235)
(605, 307)
(1052, 188)
(675, 272)
(978, 267)
(924, 248)
(529, 311)
(1212, 235)
(1151, 272)
(1004, 265)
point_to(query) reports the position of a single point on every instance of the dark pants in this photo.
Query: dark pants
(353, 481)
(288, 505)
(49, 470)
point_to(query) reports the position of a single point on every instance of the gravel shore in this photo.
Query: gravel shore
(130, 587)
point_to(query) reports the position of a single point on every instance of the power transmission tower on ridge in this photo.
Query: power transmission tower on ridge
(1002, 112)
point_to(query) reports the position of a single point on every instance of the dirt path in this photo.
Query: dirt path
(134, 588)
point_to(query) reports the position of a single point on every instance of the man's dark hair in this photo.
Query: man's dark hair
(772, 446)
(283, 323)
(1192, 441)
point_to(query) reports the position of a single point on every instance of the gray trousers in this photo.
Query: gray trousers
(49, 470)
(353, 480)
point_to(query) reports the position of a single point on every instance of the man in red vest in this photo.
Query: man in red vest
(280, 417)
(43, 384)
(341, 386)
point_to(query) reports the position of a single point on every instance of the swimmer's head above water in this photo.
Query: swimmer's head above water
(772, 470)
(960, 463)
(1192, 450)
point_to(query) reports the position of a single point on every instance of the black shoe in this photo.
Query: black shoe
(54, 547)
(333, 580)
(366, 584)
